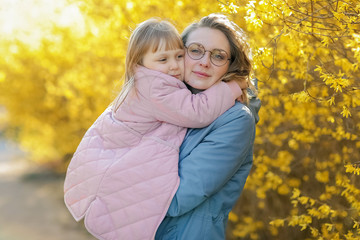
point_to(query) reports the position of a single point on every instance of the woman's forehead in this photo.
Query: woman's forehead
(210, 38)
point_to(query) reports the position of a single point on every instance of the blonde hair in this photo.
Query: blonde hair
(151, 34)
(240, 67)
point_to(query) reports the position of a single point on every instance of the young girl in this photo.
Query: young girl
(124, 173)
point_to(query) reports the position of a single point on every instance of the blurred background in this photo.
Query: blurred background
(62, 63)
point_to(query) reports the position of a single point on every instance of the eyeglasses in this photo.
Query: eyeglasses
(218, 57)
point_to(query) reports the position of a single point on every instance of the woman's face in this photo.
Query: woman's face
(202, 73)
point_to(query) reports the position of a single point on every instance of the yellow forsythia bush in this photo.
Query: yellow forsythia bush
(305, 183)
(57, 77)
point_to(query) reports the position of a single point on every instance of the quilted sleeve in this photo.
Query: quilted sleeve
(172, 102)
(181, 107)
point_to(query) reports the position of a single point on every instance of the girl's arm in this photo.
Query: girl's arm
(172, 102)
(210, 164)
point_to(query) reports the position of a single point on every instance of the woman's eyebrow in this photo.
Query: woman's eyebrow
(187, 44)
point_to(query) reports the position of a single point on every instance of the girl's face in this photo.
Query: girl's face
(202, 73)
(170, 62)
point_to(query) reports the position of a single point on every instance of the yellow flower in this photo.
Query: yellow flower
(277, 223)
(233, 217)
(322, 176)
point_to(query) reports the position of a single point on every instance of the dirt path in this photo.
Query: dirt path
(31, 202)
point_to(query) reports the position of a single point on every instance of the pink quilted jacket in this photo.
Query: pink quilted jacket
(124, 172)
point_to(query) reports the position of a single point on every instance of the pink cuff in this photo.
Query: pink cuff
(235, 89)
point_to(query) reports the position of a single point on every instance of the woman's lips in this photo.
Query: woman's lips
(201, 74)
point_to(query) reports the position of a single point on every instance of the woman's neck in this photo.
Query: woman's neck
(193, 90)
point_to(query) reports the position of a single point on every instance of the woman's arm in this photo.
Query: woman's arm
(209, 164)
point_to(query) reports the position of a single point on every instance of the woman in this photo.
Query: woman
(214, 161)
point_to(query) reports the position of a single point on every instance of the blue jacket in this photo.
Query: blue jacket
(213, 166)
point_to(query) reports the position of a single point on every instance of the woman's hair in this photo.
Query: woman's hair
(240, 67)
(152, 34)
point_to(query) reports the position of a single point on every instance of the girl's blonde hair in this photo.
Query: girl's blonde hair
(240, 68)
(152, 34)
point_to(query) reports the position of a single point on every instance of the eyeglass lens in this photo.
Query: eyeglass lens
(217, 56)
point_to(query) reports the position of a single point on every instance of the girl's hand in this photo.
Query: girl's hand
(239, 89)
(243, 85)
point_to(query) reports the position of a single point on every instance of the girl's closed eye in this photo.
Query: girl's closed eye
(180, 56)
(162, 59)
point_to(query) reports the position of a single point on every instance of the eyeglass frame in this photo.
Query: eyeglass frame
(210, 51)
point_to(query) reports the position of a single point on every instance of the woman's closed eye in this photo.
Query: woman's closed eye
(197, 51)
(219, 56)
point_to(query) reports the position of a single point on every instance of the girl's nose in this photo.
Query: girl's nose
(174, 64)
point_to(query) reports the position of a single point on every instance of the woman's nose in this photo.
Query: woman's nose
(205, 60)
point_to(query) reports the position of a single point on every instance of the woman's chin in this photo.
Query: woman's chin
(193, 89)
